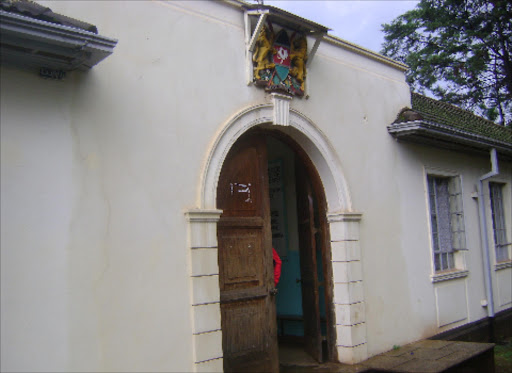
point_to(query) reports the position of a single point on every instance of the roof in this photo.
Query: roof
(450, 115)
(33, 37)
(440, 124)
(33, 10)
(287, 19)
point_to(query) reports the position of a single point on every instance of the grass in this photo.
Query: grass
(503, 356)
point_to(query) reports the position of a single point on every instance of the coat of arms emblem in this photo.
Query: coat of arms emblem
(280, 61)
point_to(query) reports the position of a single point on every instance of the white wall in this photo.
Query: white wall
(90, 250)
(37, 200)
(97, 173)
(98, 170)
(400, 271)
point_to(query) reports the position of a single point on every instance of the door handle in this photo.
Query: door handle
(273, 292)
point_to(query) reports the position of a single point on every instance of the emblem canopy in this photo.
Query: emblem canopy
(257, 15)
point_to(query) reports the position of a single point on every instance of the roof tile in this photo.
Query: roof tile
(439, 112)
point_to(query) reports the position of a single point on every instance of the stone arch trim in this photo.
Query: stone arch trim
(343, 225)
(302, 130)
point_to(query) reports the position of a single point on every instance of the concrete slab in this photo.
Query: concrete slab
(386, 362)
(406, 350)
(430, 343)
(430, 353)
(428, 356)
(421, 365)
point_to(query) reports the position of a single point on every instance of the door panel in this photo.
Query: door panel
(249, 338)
(308, 238)
(242, 256)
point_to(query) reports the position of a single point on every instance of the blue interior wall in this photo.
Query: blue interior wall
(289, 297)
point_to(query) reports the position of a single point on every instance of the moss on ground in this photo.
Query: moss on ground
(503, 356)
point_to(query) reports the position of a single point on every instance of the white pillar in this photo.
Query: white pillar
(348, 287)
(205, 298)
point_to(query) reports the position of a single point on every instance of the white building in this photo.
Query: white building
(139, 198)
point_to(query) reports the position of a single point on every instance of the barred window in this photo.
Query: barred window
(447, 220)
(501, 243)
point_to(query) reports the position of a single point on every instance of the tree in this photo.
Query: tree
(459, 51)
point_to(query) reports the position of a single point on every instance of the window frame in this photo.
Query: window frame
(458, 251)
(504, 188)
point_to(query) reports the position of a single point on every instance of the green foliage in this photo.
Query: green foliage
(459, 51)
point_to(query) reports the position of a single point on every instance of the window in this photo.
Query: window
(498, 222)
(447, 220)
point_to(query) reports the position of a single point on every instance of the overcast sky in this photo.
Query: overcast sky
(356, 21)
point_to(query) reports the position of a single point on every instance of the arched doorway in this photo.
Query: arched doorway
(343, 225)
(272, 197)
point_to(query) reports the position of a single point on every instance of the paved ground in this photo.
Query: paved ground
(427, 356)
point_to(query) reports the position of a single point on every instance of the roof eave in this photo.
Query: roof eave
(33, 44)
(442, 136)
(287, 19)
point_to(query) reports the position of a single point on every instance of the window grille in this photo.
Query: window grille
(447, 220)
(498, 222)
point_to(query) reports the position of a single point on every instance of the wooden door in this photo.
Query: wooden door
(308, 238)
(249, 335)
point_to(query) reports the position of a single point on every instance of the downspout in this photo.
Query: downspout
(485, 240)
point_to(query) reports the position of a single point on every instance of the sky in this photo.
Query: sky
(356, 21)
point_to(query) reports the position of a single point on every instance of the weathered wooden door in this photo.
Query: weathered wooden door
(249, 336)
(308, 240)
